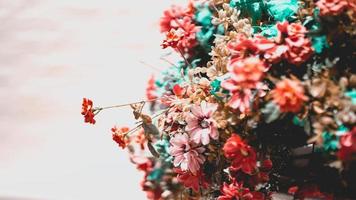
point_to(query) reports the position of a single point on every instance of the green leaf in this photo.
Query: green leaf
(282, 10)
(203, 16)
(319, 43)
(152, 150)
(352, 94)
(249, 8)
(270, 112)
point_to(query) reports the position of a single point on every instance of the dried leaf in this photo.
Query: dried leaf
(146, 119)
(150, 129)
(152, 150)
(137, 109)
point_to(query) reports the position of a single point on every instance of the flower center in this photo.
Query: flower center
(204, 123)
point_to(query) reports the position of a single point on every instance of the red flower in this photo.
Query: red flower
(299, 50)
(170, 16)
(236, 191)
(178, 90)
(151, 89)
(289, 95)
(190, 180)
(332, 7)
(183, 37)
(247, 73)
(242, 47)
(266, 165)
(243, 156)
(88, 111)
(143, 163)
(348, 145)
(119, 136)
(309, 192)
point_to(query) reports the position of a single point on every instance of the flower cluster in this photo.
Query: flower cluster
(261, 105)
(180, 29)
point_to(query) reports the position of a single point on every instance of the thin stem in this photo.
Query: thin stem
(150, 66)
(133, 130)
(169, 62)
(128, 104)
(185, 59)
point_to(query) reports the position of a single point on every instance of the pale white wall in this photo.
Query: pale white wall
(53, 53)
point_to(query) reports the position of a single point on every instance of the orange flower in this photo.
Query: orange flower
(88, 111)
(289, 95)
(119, 136)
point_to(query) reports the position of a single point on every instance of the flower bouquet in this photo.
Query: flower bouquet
(261, 105)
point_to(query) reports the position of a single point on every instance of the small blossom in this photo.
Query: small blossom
(289, 95)
(201, 124)
(119, 136)
(236, 190)
(186, 155)
(348, 145)
(173, 37)
(243, 156)
(190, 180)
(88, 111)
(331, 7)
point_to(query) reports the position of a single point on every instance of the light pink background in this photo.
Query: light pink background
(53, 53)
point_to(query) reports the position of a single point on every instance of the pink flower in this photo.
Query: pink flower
(240, 98)
(168, 21)
(331, 7)
(186, 155)
(299, 50)
(201, 124)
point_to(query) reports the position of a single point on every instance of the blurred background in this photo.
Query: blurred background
(52, 54)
